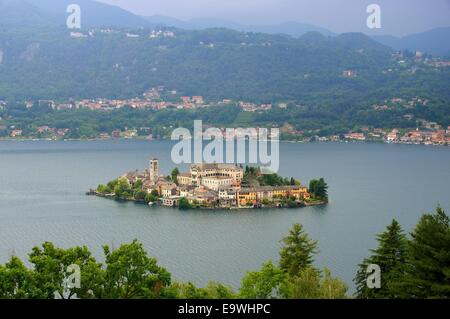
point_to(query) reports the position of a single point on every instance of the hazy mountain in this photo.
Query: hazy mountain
(294, 29)
(53, 12)
(159, 20)
(436, 42)
(24, 13)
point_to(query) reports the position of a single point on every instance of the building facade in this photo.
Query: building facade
(213, 176)
(253, 196)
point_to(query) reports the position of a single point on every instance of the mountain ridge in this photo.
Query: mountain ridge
(98, 14)
(435, 41)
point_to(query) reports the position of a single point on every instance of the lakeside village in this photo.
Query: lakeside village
(160, 98)
(426, 132)
(213, 186)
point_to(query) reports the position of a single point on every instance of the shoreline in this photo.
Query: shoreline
(93, 192)
(168, 140)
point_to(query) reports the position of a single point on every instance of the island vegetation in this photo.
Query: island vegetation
(413, 267)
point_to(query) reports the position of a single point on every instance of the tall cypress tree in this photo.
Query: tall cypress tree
(390, 256)
(428, 271)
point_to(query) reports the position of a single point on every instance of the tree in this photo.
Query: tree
(319, 189)
(112, 184)
(212, 291)
(428, 268)
(151, 198)
(297, 251)
(174, 175)
(184, 204)
(139, 195)
(189, 291)
(123, 189)
(104, 189)
(309, 284)
(263, 284)
(155, 193)
(15, 280)
(131, 274)
(217, 290)
(138, 185)
(51, 267)
(304, 285)
(332, 288)
(390, 256)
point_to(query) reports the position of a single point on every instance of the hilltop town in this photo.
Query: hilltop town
(222, 186)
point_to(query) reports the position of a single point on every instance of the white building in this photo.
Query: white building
(213, 176)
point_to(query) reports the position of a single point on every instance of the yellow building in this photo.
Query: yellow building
(256, 195)
(247, 196)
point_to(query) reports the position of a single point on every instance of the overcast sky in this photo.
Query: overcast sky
(399, 17)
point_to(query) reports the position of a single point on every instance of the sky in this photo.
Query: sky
(398, 17)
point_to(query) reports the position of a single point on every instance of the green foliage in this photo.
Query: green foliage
(123, 189)
(428, 267)
(297, 251)
(295, 278)
(174, 175)
(184, 204)
(263, 284)
(104, 189)
(112, 184)
(319, 189)
(391, 256)
(131, 274)
(50, 266)
(253, 177)
(140, 195)
(15, 280)
(212, 291)
(128, 273)
(309, 284)
(273, 180)
(151, 198)
(416, 267)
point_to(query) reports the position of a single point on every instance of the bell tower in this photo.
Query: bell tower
(154, 170)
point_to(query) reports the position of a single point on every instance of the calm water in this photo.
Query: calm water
(42, 187)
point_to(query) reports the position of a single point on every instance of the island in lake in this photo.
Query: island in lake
(213, 186)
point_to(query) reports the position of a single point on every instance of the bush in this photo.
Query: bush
(184, 204)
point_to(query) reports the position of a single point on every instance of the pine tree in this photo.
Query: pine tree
(297, 252)
(428, 271)
(391, 257)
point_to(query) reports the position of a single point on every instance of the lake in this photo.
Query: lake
(43, 185)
